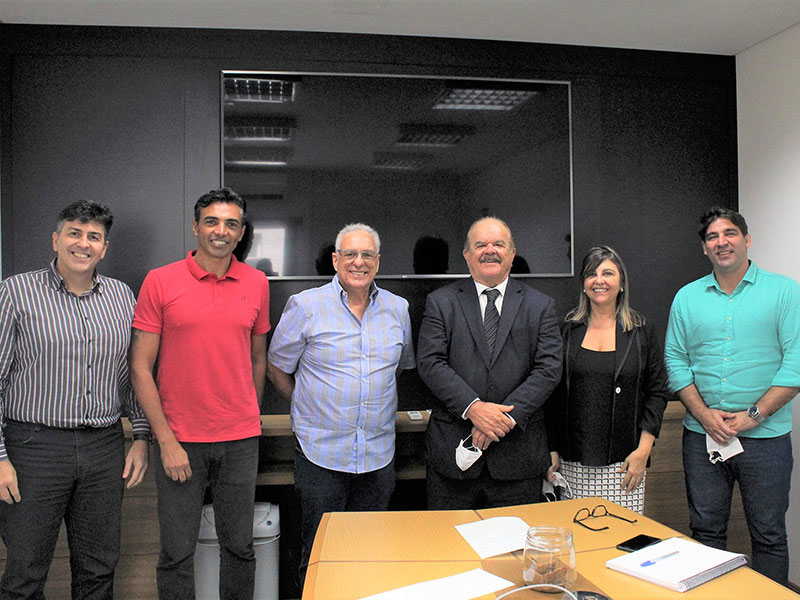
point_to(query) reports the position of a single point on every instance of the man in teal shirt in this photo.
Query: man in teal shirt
(733, 358)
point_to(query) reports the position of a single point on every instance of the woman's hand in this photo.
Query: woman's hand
(554, 464)
(633, 466)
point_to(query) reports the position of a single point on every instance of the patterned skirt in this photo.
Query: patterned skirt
(586, 481)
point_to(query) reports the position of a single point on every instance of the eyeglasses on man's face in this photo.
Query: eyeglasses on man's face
(598, 511)
(366, 255)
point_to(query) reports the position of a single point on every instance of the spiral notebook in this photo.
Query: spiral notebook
(676, 563)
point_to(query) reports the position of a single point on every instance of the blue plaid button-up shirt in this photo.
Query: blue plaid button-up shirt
(345, 396)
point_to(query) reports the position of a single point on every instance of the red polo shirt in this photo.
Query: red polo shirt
(204, 373)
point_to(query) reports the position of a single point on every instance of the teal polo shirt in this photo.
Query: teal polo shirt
(734, 347)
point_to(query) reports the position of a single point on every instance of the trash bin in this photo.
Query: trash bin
(266, 531)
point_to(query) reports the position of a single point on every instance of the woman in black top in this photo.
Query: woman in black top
(605, 415)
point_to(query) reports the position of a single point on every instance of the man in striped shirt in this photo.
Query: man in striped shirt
(64, 335)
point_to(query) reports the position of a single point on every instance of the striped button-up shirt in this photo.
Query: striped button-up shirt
(64, 358)
(345, 397)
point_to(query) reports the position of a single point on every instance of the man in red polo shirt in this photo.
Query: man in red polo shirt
(204, 319)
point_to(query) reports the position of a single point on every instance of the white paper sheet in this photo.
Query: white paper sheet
(463, 586)
(494, 536)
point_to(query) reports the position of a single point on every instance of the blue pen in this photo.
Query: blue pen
(657, 559)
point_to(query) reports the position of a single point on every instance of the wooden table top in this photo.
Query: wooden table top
(358, 579)
(360, 554)
(740, 584)
(385, 536)
(561, 514)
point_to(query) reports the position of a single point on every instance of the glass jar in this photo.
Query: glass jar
(549, 556)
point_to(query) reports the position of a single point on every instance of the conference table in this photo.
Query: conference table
(359, 554)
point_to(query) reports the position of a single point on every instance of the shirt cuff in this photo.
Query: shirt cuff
(464, 414)
(139, 425)
(678, 380)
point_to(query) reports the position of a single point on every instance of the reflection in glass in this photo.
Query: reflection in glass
(418, 158)
(267, 251)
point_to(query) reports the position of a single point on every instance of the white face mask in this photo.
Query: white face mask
(549, 488)
(563, 483)
(466, 455)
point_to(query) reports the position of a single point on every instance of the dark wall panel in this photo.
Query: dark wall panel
(131, 117)
(103, 128)
(660, 154)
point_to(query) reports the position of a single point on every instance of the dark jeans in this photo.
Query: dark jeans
(764, 473)
(74, 475)
(445, 493)
(323, 490)
(230, 468)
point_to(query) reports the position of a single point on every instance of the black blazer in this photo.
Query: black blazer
(639, 392)
(453, 360)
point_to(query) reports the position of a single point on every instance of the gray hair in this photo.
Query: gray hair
(358, 227)
(483, 220)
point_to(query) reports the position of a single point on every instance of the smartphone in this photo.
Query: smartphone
(637, 543)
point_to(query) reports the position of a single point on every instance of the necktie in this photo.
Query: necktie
(491, 318)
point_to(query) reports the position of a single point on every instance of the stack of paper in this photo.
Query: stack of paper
(676, 563)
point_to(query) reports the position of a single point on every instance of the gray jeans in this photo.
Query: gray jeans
(230, 468)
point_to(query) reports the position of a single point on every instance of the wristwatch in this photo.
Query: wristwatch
(755, 414)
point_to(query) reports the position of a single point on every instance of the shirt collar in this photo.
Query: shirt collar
(56, 281)
(500, 287)
(749, 277)
(341, 293)
(234, 269)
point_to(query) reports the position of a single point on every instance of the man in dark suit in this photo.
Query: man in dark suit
(490, 351)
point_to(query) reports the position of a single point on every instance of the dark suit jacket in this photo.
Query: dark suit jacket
(453, 360)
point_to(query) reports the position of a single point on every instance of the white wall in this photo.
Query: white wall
(768, 97)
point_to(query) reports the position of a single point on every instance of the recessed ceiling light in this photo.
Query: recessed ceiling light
(477, 98)
(401, 161)
(258, 157)
(257, 134)
(259, 129)
(249, 89)
(437, 136)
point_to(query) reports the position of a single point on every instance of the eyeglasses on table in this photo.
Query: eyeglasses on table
(598, 511)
